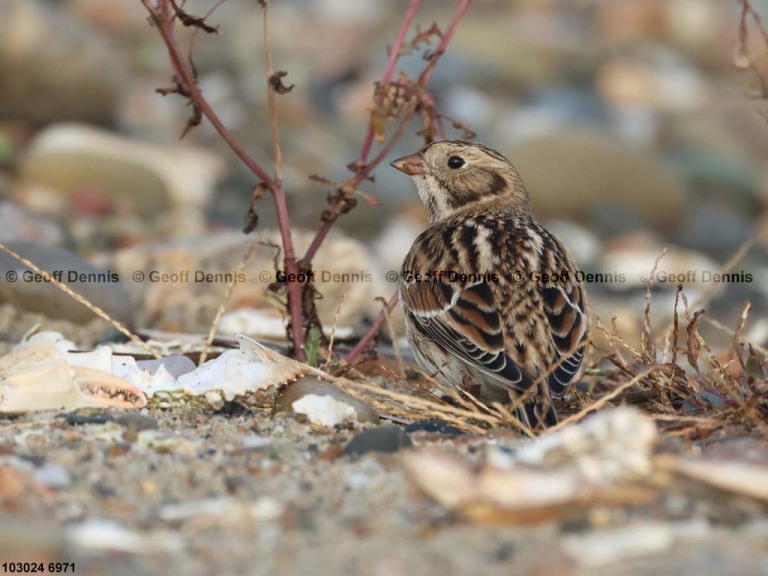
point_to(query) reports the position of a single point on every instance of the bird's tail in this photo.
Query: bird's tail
(537, 414)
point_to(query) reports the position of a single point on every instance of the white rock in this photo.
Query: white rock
(324, 410)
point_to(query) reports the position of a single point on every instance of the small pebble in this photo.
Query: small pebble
(175, 364)
(53, 476)
(433, 427)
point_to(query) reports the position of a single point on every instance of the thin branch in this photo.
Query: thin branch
(373, 330)
(426, 75)
(163, 17)
(271, 98)
(386, 77)
(363, 169)
(295, 289)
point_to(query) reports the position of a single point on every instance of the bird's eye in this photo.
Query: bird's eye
(455, 162)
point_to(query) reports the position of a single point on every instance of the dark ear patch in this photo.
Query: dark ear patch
(498, 184)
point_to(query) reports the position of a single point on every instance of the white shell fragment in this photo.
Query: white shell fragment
(237, 372)
(324, 410)
(588, 463)
(126, 367)
(610, 445)
(740, 478)
(40, 374)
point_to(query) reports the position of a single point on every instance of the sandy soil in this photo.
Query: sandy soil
(242, 492)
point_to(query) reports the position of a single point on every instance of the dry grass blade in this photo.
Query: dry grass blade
(737, 333)
(712, 322)
(693, 348)
(603, 400)
(675, 330)
(737, 257)
(336, 322)
(646, 342)
(225, 300)
(84, 301)
(392, 336)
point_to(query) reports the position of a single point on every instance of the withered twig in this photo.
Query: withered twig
(373, 330)
(164, 15)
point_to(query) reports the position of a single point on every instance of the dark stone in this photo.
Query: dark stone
(127, 420)
(135, 421)
(233, 408)
(433, 427)
(380, 439)
(97, 418)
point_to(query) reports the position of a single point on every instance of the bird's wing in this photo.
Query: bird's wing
(463, 319)
(564, 308)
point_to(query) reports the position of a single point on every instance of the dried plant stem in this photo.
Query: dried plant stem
(165, 13)
(225, 300)
(737, 257)
(426, 75)
(365, 167)
(332, 337)
(295, 289)
(164, 18)
(762, 349)
(386, 77)
(603, 400)
(372, 331)
(271, 103)
(84, 301)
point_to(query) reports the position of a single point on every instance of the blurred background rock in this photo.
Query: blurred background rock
(627, 119)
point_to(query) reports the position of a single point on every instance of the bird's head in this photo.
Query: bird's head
(451, 175)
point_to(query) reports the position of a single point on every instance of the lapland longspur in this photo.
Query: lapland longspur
(492, 301)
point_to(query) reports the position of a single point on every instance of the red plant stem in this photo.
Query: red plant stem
(422, 82)
(373, 330)
(389, 71)
(326, 226)
(424, 78)
(163, 17)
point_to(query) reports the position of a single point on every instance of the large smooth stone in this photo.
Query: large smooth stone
(313, 386)
(570, 173)
(54, 66)
(73, 159)
(33, 294)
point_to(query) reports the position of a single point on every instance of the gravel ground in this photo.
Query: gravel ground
(179, 491)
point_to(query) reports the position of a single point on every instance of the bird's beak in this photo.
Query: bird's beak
(412, 165)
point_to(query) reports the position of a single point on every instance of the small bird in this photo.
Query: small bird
(493, 302)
